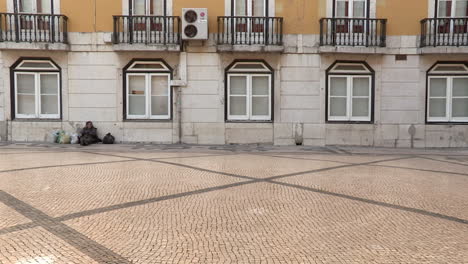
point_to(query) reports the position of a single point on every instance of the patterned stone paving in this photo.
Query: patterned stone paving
(231, 204)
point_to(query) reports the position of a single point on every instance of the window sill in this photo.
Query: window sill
(250, 121)
(350, 122)
(462, 123)
(36, 120)
(149, 120)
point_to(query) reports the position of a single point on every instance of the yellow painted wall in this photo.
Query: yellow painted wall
(403, 16)
(3, 6)
(300, 16)
(105, 9)
(215, 9)
(80, 14)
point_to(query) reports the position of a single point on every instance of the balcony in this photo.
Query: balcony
(146, 33)
(237, 33)
(353, 32)
(33, 31)
(444, 32)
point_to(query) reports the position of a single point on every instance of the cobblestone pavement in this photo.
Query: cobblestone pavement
(232, 204)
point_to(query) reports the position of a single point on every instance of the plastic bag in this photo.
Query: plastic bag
(63, 137)
(74, 139)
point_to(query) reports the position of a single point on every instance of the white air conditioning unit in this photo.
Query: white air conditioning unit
(194, 23)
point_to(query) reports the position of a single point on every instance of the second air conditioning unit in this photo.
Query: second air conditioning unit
(194, 23)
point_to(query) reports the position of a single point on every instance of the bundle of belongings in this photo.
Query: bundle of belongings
(87, 136)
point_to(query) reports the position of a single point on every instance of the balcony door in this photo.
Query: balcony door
(250, 20)
(33, 19)
(453, 16)
(351, 16)
(147, 21)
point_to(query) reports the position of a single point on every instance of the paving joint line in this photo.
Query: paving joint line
(82, 243)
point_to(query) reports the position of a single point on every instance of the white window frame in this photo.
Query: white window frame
(34, 7)
(147, 9)
(452, 12)
(52, 68)
(249, 115)
(37, 95)
(448, 100)
(351, 8)
(148, 96)
(249, 7)
(349, 99)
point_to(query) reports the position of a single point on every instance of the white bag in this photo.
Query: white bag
(74, 138)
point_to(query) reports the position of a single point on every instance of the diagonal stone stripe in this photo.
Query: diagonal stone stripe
(79, 241)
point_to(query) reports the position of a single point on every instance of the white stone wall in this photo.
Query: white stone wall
(92, 89)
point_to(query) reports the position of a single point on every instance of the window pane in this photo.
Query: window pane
(238, 105)
(41, 65)
(137, 105)
(25, 83)
(258, 8)
(136, 85)
(26, 105)
(49, 84)
(260, 85)
(460, 107)
(449, 68)
(360, 107)
(338, 107)
(460, 87)
(157, 7)
(438, 87)
(49, 104)
(342, 8)
(445, 8)
(360, 86)
(241, 8)
(461, 8)
(350, 67)
(250, 66)
(26, 6)
(437, 107)
(338, 86)
(359, 9)
(238, 85)
(159, 85)
(139, 7)
(44, 6)
(159, 105)
(260, 106)
(148, 66)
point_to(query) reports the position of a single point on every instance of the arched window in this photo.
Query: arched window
(249, 91)
(447, 95)
(36, 91)
(148, 93)
(350, 92)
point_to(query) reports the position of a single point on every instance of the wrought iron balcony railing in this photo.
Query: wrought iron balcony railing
(367, 32)
(444, 32)
(237, 30)
(146, 30)
(16, 27)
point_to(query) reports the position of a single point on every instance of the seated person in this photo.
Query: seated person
(89, 135)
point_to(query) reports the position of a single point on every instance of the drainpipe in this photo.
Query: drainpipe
(180, 82)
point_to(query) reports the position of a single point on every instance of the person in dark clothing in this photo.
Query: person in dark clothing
(89, 135)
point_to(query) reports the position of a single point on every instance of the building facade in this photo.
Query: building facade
(388, 73)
